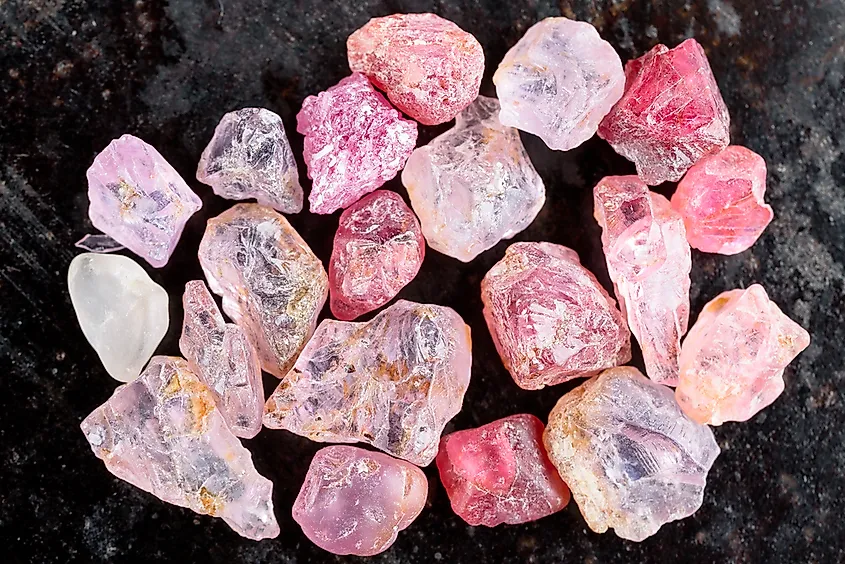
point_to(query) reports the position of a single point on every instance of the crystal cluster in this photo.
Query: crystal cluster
(473, 185)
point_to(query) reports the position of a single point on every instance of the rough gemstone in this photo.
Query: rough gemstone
(429, 67)
(670, 115)
(223, 359)
(121, 311)
(721, 201)
(550, 318)
(356, 501)
(733, 359)
(474, 185)
(393, 382)
(249, 156)
(98, 243)
(163, 434)
(558, 82)
(272, 285)
(355, 141)
(648, 259)
(632, 459)
(138, 199)
(500, 473)
(378, 249)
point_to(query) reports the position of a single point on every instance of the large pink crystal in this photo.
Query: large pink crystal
(393, 382)
(721, 201)
(648, 259)
(138, 199)
(733, 359)
(671, 114)
(356, 501)
(222, 357)
(550, 318)
(163, 434)
(429, 67)
(355, 141)
(378, 249)
(500, 473)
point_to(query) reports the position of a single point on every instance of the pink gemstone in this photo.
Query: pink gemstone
(721, 201)
(671, 114)
(356, 501)
(378, 249)
(429, 67)
(138, 199)
(733, 359)
(500, 473)
(355, 141)
(550, 318)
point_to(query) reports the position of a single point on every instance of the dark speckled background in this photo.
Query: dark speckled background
(75, 74)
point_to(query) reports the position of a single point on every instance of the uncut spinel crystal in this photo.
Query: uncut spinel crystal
(550, 318)
(249, 156)
(733, 359)
(272, 285)
(500, 473)
(138, 199)
(558, 82)
(474, 185)
(393, 382)
(429, 67)
(355, 501)
(670, 115)
(223, 358)
(355, 141)
(631, 458)
(721, 201)
(378, 249)
(163, 434)
(648, 259)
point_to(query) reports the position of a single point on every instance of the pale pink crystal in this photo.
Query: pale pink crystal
(355, 141)
(223, 359)
(138, 199)
(733, 359)
(393, 382)
(648, 259)
(550, 318)
(378, 249)
(500, 473)
(355, 501)
(670, 115)
(429, 67)
(163, 434)
(721, 201)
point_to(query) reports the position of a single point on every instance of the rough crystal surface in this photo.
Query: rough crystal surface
(670, 115)
(272, 285)
(733, 359)
(632, 459)
(138, 199)
(356, 501)
(163, 434)
(648, 259)
(249, 156)
(392, 382)
(121, 311)
(98, 243)
(355, 141)
(558, 82)
(429, 67)
(378, 249)
(473, 185)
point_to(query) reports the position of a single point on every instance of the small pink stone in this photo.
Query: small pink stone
(355, 141)
(378, 249)
(500, 473)
(733, 359)
(721, 201)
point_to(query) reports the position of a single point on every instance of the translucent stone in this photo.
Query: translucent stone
(98, 243)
